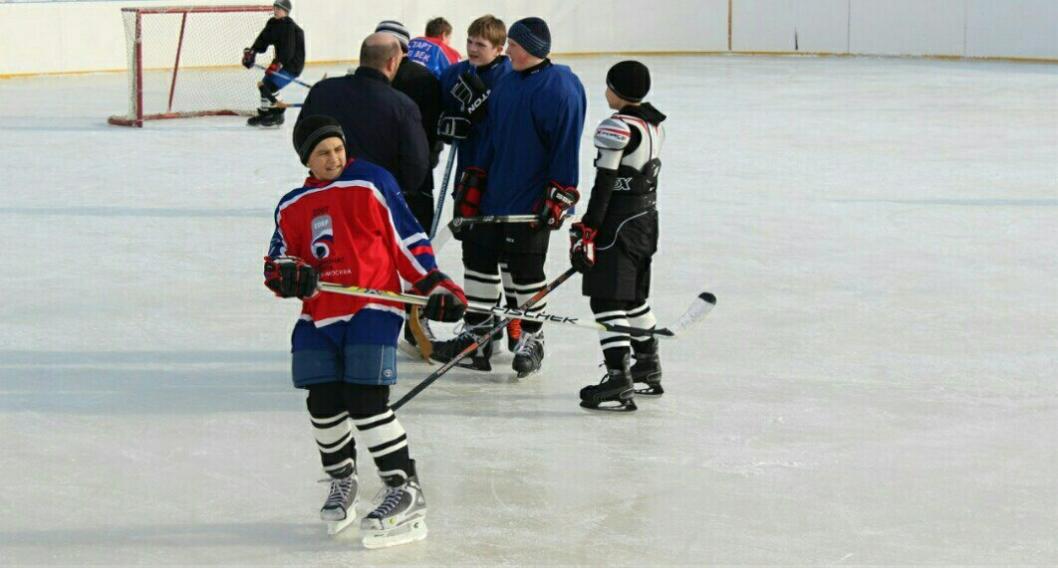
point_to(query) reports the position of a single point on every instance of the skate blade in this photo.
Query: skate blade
(621, 406)
(650, 391)
(413, 352)
(411, 532)
(335, 527)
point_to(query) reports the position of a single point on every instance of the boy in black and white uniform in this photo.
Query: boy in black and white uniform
(289, 41)
(614, 241)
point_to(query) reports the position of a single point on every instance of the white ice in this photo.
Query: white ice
(875, 385)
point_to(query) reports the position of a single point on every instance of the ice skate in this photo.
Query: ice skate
(399, 518)
(256, 119)
(647, 368)
(614, 392)
(339, 510)
(445, 351)
(529, 353)
(273, 119)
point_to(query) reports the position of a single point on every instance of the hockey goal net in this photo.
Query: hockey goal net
(184, 61)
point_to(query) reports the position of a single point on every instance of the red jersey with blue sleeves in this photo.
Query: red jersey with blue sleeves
(357, 231)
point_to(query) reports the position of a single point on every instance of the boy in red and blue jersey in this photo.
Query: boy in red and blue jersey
(349, 225)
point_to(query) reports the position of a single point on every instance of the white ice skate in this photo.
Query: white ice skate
(399, 518)
(339, 510)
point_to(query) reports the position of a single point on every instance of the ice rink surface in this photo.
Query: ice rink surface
(876, 385)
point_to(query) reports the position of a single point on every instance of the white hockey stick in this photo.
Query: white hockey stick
(699, 308)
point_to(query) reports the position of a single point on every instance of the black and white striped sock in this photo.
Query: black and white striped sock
(334, 439)
(386, 440)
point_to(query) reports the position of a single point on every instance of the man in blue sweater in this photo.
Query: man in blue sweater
(526, 163)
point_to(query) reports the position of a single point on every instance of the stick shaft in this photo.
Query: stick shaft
(480, 340)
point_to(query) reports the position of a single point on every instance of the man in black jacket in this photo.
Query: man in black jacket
(421, 86)
(381, 124)
(289, 41)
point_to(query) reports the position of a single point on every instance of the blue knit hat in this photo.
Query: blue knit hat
(533, 35)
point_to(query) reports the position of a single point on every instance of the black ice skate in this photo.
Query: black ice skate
(647, 369)
(529, 353)
(616, 387)
(445, 351)
(274, 118)
(256, 120)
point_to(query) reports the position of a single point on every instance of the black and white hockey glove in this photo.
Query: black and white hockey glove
(453, 127)
(290, 277)
(472, 92)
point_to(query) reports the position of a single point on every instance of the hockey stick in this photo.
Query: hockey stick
(698, 309)
(414, 324)
(457, 222)
(480, 340)
(444, 189)
(283, 75)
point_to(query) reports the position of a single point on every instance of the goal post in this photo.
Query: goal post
(183, 61)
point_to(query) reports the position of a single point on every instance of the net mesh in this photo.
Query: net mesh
(188, 61)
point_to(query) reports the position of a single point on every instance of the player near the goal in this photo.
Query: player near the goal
(527, 163)
(614, 241)
(289, 42)
(348, 224)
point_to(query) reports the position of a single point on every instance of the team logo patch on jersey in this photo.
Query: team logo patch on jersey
(322, 236)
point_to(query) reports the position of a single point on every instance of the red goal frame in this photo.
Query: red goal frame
(135, 117)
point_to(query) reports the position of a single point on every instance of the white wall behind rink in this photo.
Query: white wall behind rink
(60, 37)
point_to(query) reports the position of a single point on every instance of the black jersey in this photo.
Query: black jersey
(289, 42)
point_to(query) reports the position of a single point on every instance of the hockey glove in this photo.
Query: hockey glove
(290, 277)
(446, 301)
(248, 57)
(469, 189)
(582, 247)
(559, 198)
(453, 127)
(274, 68)
(472, 92)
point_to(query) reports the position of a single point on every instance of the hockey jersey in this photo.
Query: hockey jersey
(355, 230)
(432, 53)
(490, 74)
(289, 42)
(535, 118)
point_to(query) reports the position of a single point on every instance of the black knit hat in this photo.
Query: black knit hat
(311, 130)
(533, 35)
(629, 80)
(283, 4)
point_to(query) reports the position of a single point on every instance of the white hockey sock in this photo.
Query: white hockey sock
(334, 439)
(611, 339)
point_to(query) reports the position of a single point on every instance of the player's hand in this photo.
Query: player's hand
(290, 277)
(557, 200)
(582, 247)
(469, 190)
(470, 90)
(274, 68)
(248, 57)
(453, 127)
(446, 301)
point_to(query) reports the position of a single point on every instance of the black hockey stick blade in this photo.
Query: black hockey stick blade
(697, 311)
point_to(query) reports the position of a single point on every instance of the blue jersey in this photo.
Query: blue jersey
(489, 75)
(535, 122)
(432, 53)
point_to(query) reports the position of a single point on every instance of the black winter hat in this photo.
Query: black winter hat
(629, 80)
(283, 4)
(311, 130)
(533, 35)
